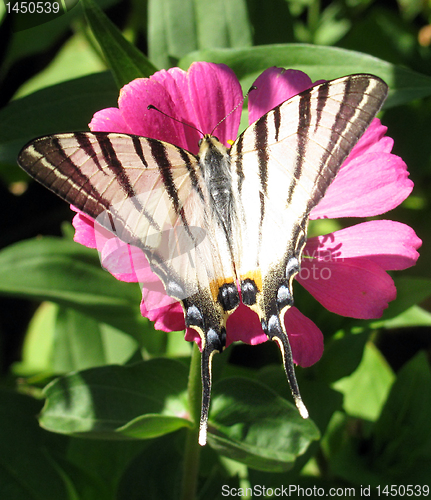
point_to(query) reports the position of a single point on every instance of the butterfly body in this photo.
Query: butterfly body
(236, 218)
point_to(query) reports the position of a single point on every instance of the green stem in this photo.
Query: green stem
(192, 448)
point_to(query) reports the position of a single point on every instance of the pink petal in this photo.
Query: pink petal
(274, 86)
(123, 261)
(306, 340)
(355, 287)
(134, 100)
(109, 120)
(372, 141)
(202, 97)
(168, 318)
(84, 229)
(192, 335)
(391, 245)
(244, 325)
(175, 81)
(370, 184)
(214, 93)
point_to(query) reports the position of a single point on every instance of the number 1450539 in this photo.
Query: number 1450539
(411, 490)
(33, 7)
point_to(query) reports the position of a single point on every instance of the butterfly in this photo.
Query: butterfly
(225, 226)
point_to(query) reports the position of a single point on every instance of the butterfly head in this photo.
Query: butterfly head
(210, 145)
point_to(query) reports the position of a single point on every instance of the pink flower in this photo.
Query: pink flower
(344, 270)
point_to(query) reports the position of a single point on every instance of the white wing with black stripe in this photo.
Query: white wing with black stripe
(224, 219)
(282, 166)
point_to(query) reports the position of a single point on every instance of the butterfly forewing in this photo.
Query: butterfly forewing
(148, 193)
(284, 162)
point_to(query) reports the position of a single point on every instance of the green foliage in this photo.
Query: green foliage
(97, 404)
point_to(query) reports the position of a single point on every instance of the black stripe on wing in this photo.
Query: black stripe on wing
(58, 172)
(302, 135)
(356, 110)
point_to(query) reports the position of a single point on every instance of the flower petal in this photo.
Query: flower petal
(215, 92)
(192, 335)
(356, 287)
(128, 263)
(168, 318)
(202, 97)
(306, 340)
(134, 101)
(372, 141)
(370, 184)
(274, 86)
(84, 229)
(175, 81)
(109, 120)
(244, 325)
(391, 245)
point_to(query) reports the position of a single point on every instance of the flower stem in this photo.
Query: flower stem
(192, 447)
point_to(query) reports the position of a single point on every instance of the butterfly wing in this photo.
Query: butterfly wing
(149, 194)
(152, 195)
(281, 167)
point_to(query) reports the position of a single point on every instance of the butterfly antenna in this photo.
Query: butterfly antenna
(150, 106)
(234, 109)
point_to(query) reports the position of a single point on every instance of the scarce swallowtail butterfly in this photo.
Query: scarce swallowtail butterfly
(227, 225)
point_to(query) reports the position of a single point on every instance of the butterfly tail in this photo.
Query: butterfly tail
(212, 345)
(277, 332)
(209, 322)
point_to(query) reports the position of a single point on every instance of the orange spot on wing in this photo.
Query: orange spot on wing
(254, 275)
(217, 283)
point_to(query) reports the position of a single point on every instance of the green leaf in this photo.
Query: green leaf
(414, 316)
(154, 474)
(402, 435)
(319, 63)
(124, 59)
(410, 291)
(321, 401)
(151, 426)
(61, 340)
(250, 423)
(28, 470)
(398, 448)
(61, 108)
(38, 39)
(341, 357)
(366, 390)
(267, 27)
(75, 59)
(177, 27)
(69, 274)
(105, 460)
(37, 347)
(144, 400)
(83, 342)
